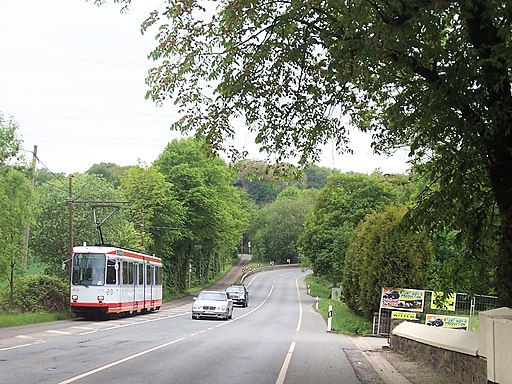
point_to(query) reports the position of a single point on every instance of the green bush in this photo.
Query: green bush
(383, 253)
(38, 293)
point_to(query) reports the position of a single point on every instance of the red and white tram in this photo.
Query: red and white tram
(107, 280)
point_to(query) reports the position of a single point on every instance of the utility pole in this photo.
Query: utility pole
(70, 205)
(142, 233)
(24, 257)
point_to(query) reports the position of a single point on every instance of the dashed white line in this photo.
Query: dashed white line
(58, 332)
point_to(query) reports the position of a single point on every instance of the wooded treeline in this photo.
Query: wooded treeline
(197, 212)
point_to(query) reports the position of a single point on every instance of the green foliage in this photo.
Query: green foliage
(15, 195)
(17, 319)
(213, 215)
(317, 177)
(50, 236)
(454, 270)
(258, 179)
(279, 225)
(10, 143)
(38, 293)
(341, 205)
(431, 76)
(384, 253)
(147, 193)
(15, 199)
(344, 320)
(318, 287)
(109, 171)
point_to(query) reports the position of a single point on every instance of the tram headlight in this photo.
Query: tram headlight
(74, 297)
(101, 298)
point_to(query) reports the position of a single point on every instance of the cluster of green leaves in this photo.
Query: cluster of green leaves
(341, 205)
(277, 227)
(37, 293)
(200, 226)
(15, 197)
(183, 208)
(384, 253)
(432, 76)
(344, 320)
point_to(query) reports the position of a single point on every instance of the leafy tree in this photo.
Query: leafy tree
(10, 143)
(341, 205)
(51, 243)
(214, 216)
(257, 178)
(111, 172)
(146, 191)
(15, 196)
(454, 271)
(317, 177)
(43, 175)
(159, 216)
(278, 226)
(434, 76)
(383, 253)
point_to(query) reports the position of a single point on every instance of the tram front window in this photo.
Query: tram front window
(88, 269)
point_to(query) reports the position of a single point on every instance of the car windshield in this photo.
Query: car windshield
(236, 289)
(215, 296)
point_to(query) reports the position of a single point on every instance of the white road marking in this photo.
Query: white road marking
(286, 364)
(58, 332)
(113, 364)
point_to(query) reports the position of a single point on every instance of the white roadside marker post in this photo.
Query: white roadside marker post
(316, 303)
(329, 319)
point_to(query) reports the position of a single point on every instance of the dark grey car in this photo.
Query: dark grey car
(239, 294)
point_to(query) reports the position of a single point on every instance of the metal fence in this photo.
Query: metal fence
(465, 306)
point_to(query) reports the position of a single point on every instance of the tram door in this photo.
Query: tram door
(149, 284)
(139, 291)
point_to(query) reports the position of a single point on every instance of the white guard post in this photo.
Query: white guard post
(329, 319)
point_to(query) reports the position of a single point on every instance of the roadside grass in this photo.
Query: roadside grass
(17, 319)
(343, 319)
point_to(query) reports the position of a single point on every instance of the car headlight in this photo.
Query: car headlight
(223, 308)
(74, 297)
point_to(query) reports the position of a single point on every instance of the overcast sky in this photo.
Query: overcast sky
(72, 76)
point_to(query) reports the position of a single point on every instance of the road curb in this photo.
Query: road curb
(384, 369)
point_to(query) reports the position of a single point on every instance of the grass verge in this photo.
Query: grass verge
(343, 319)
(16, 319)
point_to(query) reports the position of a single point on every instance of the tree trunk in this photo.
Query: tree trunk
(496, 129)
(501, 179)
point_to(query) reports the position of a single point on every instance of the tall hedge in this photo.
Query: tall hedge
(384, 253)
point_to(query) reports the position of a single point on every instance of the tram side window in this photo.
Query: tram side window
(128, 273)
(141, 274)
(111, 272)
(158, 276)
(149, 280)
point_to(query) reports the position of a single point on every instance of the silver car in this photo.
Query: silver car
(214, 304)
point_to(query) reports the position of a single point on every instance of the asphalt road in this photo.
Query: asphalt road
(279, 338)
